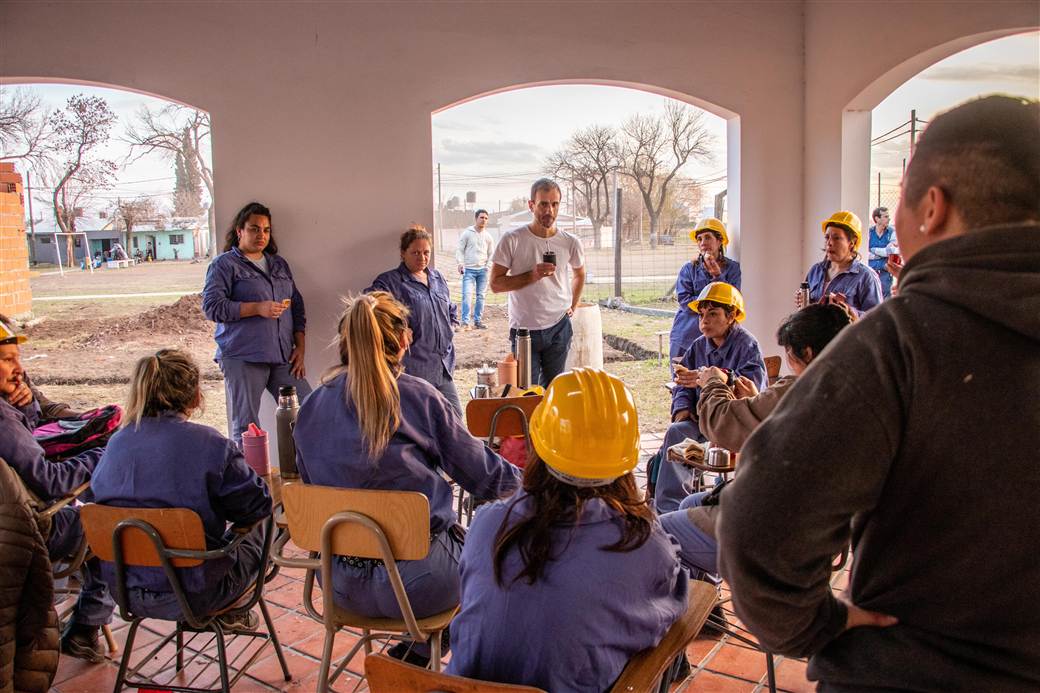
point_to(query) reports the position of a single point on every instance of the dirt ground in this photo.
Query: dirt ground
(80, 363)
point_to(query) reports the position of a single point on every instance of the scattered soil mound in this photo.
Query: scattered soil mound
(184, 317)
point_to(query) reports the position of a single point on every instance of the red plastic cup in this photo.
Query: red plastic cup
(254, 447)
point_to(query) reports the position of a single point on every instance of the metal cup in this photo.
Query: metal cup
(718, 457)
(549, 256)
(481, 392)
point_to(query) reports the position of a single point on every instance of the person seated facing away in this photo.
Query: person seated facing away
(724, 344)
(372, 426)
(160, 459)
(51, 481)
(564, 582)
(728, 421)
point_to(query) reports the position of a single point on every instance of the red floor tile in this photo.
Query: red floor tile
(790, 676)
(268, 671)
(707, 682)
(90, 679)
(293, 627)
(737, 661)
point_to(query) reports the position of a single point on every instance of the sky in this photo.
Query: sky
(496, 146)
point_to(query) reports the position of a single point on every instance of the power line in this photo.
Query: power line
(891, 131)
(896, 136)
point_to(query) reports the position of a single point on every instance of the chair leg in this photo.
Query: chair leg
(770, 672)
(435, 651)
(274, 639)
(365, 632)
(180, 648)
(225, 685)
(128, 648)
(326, 661)
(110, 639)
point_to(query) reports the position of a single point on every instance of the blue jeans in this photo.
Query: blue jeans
(675, 481)
(95, 605)
(244, 384)
(477, 278)
(698, 550)
(548, 350)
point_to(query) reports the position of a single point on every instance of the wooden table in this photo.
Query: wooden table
(675, 456)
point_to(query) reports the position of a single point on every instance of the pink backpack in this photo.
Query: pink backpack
(67, 438)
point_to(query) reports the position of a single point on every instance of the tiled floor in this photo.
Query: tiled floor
(720, 663)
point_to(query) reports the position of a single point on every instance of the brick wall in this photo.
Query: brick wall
(15, 294)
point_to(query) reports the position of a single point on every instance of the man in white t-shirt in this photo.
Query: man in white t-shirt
(543, 270)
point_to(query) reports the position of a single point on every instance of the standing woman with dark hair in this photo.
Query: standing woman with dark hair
(563, 583)
(160, 459)
(432, 316)
(841, 277)
(710, 265)
(370, 425)
(251, 295)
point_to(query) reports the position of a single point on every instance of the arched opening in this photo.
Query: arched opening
(488, 149)
(117, 191)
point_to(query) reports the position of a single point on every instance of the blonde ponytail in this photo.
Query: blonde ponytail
(165, 381)
(371, 337)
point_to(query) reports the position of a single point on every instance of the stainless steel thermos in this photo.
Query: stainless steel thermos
(803, 291)
(523, 358)
(285, 416)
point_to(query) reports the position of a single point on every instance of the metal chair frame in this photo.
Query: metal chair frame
(192, 623)
(466, 505)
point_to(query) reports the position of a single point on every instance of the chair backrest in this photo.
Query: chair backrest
(479, 413)
(179, 528)
(772, 368)
(646, 668)
(388, 675)
(404, 517)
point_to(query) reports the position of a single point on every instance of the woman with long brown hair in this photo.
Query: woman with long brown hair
(371, 425)
(251, 295)
(563, 583)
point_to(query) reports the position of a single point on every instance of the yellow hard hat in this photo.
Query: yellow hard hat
(849, 221)
(9, 336)
(711, 224)
(721, 292)
(586, 429)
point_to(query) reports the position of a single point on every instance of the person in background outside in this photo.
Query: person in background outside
(905, 438)
(260, 316)
(883, 243)
(160, 459)
(574, 570)
(431, 313)
(711, 265)
(49, 482)
(542, 268)
(725, 344)
(841, 277)
(370, 425)
(474, 258)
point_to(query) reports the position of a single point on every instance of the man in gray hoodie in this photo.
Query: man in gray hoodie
(915, 435)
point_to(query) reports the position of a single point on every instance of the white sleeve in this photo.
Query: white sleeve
(504, 252)
(577, 253)
(490, 243)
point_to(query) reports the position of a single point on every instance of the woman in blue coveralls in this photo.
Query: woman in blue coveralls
(159, 459)
(51, 481)
(711, 265)
(251, 295)
(841, 277)
(370, 425)
(432, 316)
(725, 344)
(577, 553)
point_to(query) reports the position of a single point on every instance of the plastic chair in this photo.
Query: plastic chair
(173, 538)
(387, 525)
(646, 672)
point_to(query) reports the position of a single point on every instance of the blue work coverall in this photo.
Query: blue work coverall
(693, 277)
(859, 283)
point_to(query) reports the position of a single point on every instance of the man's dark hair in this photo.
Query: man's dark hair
(544, 184)
(479, 212)
(985, 156)
(878, 211)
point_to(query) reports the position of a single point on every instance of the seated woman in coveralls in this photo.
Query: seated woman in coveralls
(371, 426)
(160, 459)
(564, 582)
(251, 295)
(725, 344)
(841, 277)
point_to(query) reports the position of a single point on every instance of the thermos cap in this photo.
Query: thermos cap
(287, 391)
(523, 332)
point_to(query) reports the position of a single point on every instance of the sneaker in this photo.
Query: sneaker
(480, 326)
(82, 642)
(464, 327)
(241, 622)
(403, 651)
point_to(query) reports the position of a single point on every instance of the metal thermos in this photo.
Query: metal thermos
(803, 291)
(285, 415)
(523, 358)
(718, 457)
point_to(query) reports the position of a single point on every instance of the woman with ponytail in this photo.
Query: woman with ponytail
(370, 425)
(159, 459)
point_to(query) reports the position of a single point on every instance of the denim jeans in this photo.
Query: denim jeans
(548, 350)
(471, 278)
(698, 551)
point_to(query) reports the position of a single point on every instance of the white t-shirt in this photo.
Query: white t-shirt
(543, 303)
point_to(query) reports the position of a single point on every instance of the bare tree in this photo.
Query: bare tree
(655, 148)
(25, 128)
(587, 161)
(69, 201)
(130, 213)
(166, 131)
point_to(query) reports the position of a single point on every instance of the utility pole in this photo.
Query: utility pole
(617, 239)
(913, 130)
(574, 213)
(879, 188)
(440, 208)
(32, 222)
